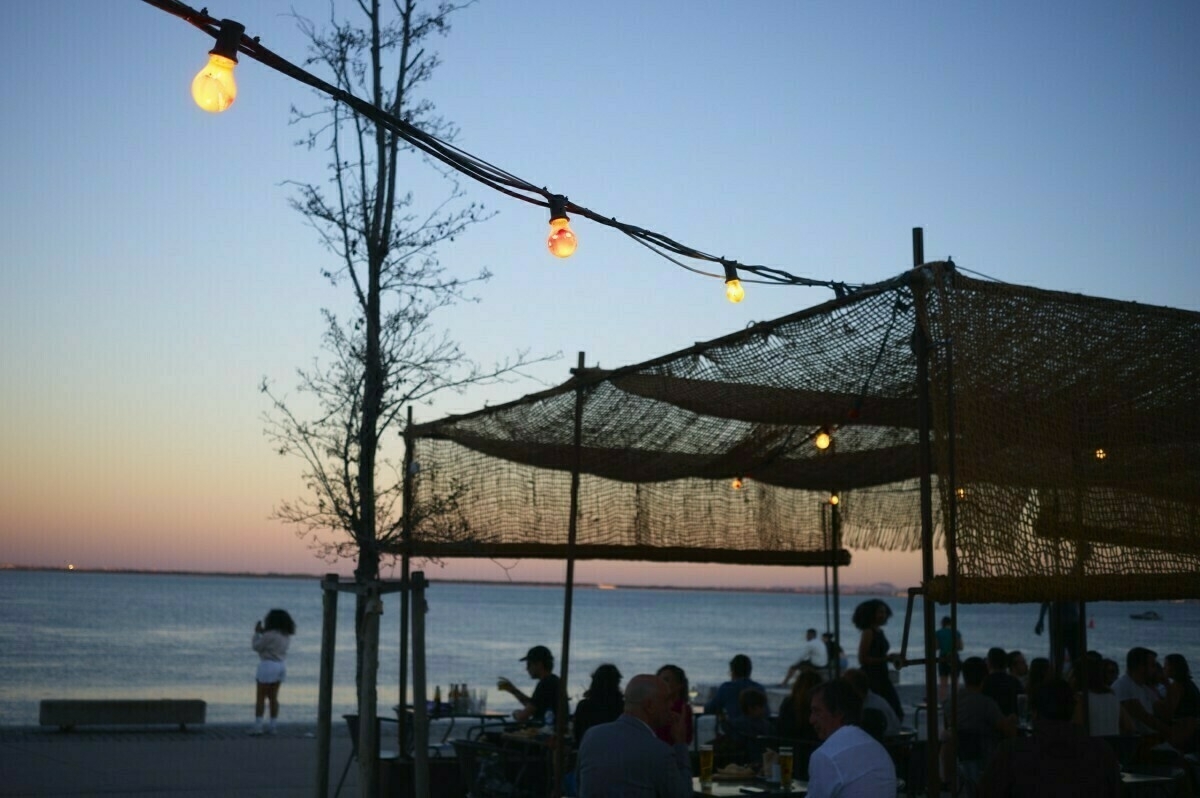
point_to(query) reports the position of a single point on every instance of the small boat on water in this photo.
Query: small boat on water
(1148, 615)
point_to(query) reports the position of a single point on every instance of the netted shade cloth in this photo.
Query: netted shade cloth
(1066, 434)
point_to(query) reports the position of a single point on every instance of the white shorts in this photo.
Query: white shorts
(270, 671)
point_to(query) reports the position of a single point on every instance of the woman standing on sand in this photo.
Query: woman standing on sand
(271, 638)
(873, 656)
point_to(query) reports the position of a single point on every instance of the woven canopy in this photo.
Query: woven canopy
(1065, 428)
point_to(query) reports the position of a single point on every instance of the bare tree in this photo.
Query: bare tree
(385, 354)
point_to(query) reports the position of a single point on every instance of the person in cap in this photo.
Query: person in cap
(539, 664)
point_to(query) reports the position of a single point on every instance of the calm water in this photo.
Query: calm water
(82, 635)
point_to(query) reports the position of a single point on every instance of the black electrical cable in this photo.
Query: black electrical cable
(484, 172)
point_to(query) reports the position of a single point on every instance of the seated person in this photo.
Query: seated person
(724, 702)
(850, 763)
(602, 703)
(981, 724)
(742, 742)
(793, 721)
(813, 656)
(539, 664)
(999, 685)
(678, 694)
(1059, 759)
(872, 702)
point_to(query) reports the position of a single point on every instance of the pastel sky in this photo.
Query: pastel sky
(153, 272)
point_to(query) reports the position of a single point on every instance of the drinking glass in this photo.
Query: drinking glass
(706, 764)
(785, 768)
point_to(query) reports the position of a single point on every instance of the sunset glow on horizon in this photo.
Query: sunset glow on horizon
(156, 275)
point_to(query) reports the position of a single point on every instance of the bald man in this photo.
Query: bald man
(625, 759)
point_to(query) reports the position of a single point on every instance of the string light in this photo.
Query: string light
(470, 165)
(214, 88)
(733, 286)
(737, 483)
(561, 241)
(834, 499)
(823, 440)
(1101, 454)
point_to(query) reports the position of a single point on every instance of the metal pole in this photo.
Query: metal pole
(952, 546)
(836, 527)
(560, 716)
(825, 570)
(329, 600)
(368, 728)
(921, 346)
(420, 715)
(405, 565)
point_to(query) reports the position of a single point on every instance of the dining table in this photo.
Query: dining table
(744, 787)
(1164, 782)
(476, 721)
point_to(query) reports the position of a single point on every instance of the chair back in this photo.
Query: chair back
(352, 722)
(352, 727)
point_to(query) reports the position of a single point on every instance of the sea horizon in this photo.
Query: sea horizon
(854, 589)
(101, 634)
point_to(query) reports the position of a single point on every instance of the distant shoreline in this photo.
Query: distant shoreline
(880, 589)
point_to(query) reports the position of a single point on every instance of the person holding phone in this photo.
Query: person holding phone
(272, 635)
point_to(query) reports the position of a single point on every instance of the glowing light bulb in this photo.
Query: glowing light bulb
(961, 493)
(834, 498)
(734, 291)
(733, 286)
(1101, 454)
(737, 483)
(823, 440)
(214, 88)
(562, 241)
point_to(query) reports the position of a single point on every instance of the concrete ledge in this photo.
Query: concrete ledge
(69, 713)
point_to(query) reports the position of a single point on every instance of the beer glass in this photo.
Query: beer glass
(706, 764)
(785, 767)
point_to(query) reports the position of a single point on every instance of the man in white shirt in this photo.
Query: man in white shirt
(813, 654)
(850, 763)
(1136, 695)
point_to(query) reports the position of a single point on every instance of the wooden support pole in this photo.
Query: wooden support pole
(329, 601)
(368, 728)
(420, 712)
(561, 713)
(921, 350)
(410, 472)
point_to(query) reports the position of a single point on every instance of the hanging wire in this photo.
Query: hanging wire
(484, 172)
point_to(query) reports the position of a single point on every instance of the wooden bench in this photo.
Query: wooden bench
(69, 713)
